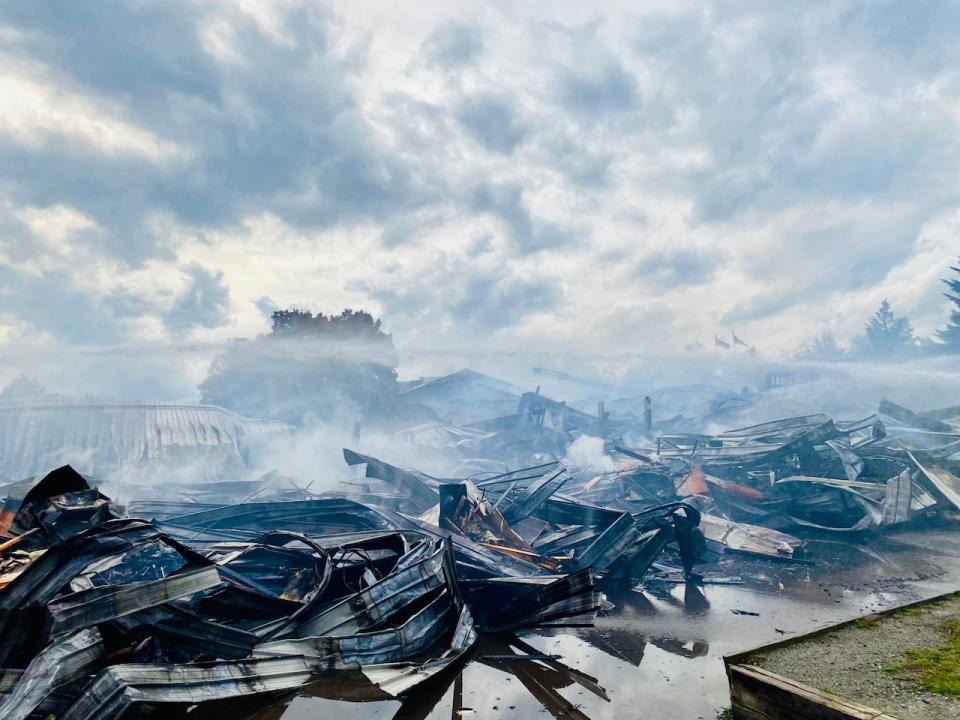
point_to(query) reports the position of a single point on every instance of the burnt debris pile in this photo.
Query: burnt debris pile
(243, 588)
(103, 612)
(747, 487)
(885, 470)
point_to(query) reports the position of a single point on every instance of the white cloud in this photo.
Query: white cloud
(36, 112)
(602, 177)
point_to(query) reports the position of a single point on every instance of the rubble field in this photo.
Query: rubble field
(193, 598)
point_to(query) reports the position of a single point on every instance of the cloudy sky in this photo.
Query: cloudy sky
(614, 176)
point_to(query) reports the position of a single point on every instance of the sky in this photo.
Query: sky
(606, 177)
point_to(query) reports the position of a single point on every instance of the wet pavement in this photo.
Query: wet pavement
(658, 654)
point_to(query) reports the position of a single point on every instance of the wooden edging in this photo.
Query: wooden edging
(758, 694)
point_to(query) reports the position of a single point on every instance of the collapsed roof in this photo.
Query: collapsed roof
(103, 436)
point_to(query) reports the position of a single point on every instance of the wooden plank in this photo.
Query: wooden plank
(759, 694)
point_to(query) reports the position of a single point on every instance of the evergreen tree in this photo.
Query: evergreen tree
(888, 335)
(950, 335)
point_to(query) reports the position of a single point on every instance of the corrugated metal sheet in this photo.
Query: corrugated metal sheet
(102, 436)
(442, 436)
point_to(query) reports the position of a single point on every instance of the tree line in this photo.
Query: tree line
(888, 336)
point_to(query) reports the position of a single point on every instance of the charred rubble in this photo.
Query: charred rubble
(241, 589)
(103, 612)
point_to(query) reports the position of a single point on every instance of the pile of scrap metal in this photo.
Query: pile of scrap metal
(750, 485)
(471, 421)
(639, 483)
(617, 522)
(885, 470)
(478, 421)
(104, 615)
(523, 516)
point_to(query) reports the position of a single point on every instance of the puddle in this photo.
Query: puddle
(658, 653)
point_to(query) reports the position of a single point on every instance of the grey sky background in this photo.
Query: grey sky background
(597, 176)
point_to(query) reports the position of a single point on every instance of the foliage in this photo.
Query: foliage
(336, 368)
(950, 335)
(887, 335)
(937, 669)
(349, 325)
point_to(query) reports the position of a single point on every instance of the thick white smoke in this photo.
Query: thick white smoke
(586, 453)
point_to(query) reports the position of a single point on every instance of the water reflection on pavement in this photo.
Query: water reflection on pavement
(658, 653)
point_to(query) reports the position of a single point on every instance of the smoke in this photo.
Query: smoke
(848, 391)
(686, 391)
(312, 456)
(176, 478)
(586, 453)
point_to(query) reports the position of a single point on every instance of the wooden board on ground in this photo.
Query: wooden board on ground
(759, 694)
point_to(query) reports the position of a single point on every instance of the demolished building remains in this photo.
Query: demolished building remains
(238, 588)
